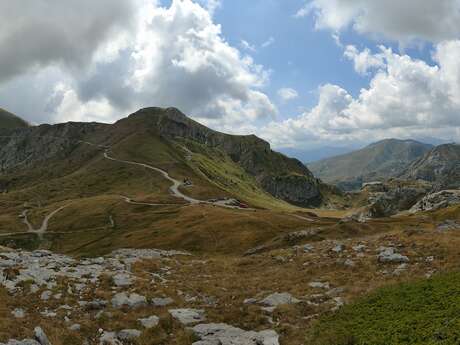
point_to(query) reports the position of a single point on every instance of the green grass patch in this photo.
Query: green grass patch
(425, 312)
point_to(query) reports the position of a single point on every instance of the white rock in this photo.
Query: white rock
(132, 301)
(162, 302)
(41, 336)
(319, 285)
(277, 299)
(128, 334)
(150, 322)
(222, 334)
(188, 316)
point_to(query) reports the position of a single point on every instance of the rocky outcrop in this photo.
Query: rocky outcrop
(296, 189)
(390, 198)
(26, 148)
(436, 201)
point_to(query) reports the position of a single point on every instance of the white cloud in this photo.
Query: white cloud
(406, 98)
(287, 94)
(364, 61)
(173, 56)
(247, 46)
(402, 21)
(268, 42)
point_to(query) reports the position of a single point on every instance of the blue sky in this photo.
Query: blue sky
(351, 72)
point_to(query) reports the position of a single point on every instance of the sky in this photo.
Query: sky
(308, 76)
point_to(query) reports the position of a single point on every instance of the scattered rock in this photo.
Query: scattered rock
(162, 302)
(129, 334)
(222, 334)
(277, 299)
(389, 255)
(319, 285)
(18, 313)
(131, 301)
(150, 322)
(41, 337)
(188, 316)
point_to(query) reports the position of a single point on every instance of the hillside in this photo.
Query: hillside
(441, 166)
(111, 183)
(381, 160)
(9, 120)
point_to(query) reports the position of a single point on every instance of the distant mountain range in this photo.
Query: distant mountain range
(381, 160)
(9, 120)
(440, 166)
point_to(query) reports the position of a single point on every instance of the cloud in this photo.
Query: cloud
(287, 94)
(406, 98)
(38, 33)
(247, 46)
(268, 42)
(363, 61)
(402, 21)
(171, 56)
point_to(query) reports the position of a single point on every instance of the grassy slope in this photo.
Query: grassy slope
(424, 312)
(92, 193)
(8, 120)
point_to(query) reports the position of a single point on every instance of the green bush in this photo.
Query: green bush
(425, 312)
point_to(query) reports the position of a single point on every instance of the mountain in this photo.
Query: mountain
(380, 160)
(9, 120)
(440, 165)
(107, 182)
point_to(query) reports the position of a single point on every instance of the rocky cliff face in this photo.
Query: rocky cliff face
(24, 148)
(441, 166)
(283, 177)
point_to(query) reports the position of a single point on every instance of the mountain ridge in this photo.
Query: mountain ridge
(10, 120)
(380, 160)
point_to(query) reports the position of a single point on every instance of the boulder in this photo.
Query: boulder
(277, 299)
(389, 255)
(188, 316)
(150, 322)
(223, 334)
(131, 301)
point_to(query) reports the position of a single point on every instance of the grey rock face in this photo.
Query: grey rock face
(295, 189)
(188, 316)
(441, 166)
(222, 334)
(436, 201)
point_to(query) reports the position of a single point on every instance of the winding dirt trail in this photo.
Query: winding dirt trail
(176, 183)
(44, 226)
(174, 187)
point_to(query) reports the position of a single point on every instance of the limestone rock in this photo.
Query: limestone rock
(188, 316)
